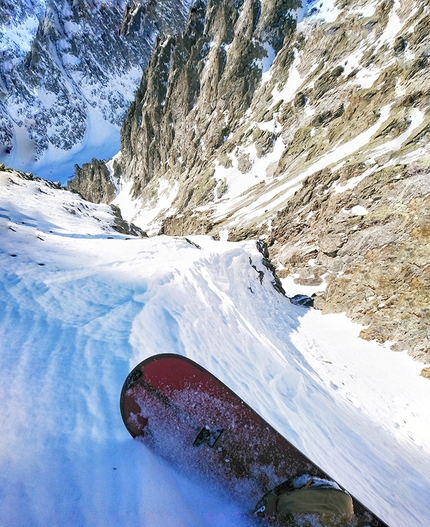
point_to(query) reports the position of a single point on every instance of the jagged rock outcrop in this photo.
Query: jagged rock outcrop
(325, 155)
(93, 182)
(124, 227)
(70, 65)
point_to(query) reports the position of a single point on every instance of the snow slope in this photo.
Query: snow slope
(80, 305)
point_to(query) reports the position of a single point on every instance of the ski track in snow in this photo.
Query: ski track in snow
(72, 328)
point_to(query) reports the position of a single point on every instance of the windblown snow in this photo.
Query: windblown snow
(81, 305)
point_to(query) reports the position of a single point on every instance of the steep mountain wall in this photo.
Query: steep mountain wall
(70, 68)
(309, 128)
(93, 182)
(195, 93)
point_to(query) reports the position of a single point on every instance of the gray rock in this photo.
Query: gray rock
(93, 182)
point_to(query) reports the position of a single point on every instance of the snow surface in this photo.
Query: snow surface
(146, 217)
(101, 141)
(20, 36)
(80, 305)
(324, 10)
(294, 81)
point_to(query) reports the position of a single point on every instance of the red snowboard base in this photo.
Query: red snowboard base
(197, 423)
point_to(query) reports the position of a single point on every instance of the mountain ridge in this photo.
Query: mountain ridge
(326, 159)
(70, 67)
(306, 127)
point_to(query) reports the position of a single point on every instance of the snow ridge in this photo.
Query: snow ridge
(81, 305)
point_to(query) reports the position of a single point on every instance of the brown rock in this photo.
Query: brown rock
(425, 373)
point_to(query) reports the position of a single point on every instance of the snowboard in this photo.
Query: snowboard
(189, 417)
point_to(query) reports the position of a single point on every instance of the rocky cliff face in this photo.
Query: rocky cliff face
(367, 238)
(304, 126)
(194, 96)
(68, 66)
(93, 182)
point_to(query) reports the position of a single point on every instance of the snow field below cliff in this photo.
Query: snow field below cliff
(101, 141)
(81, 305)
